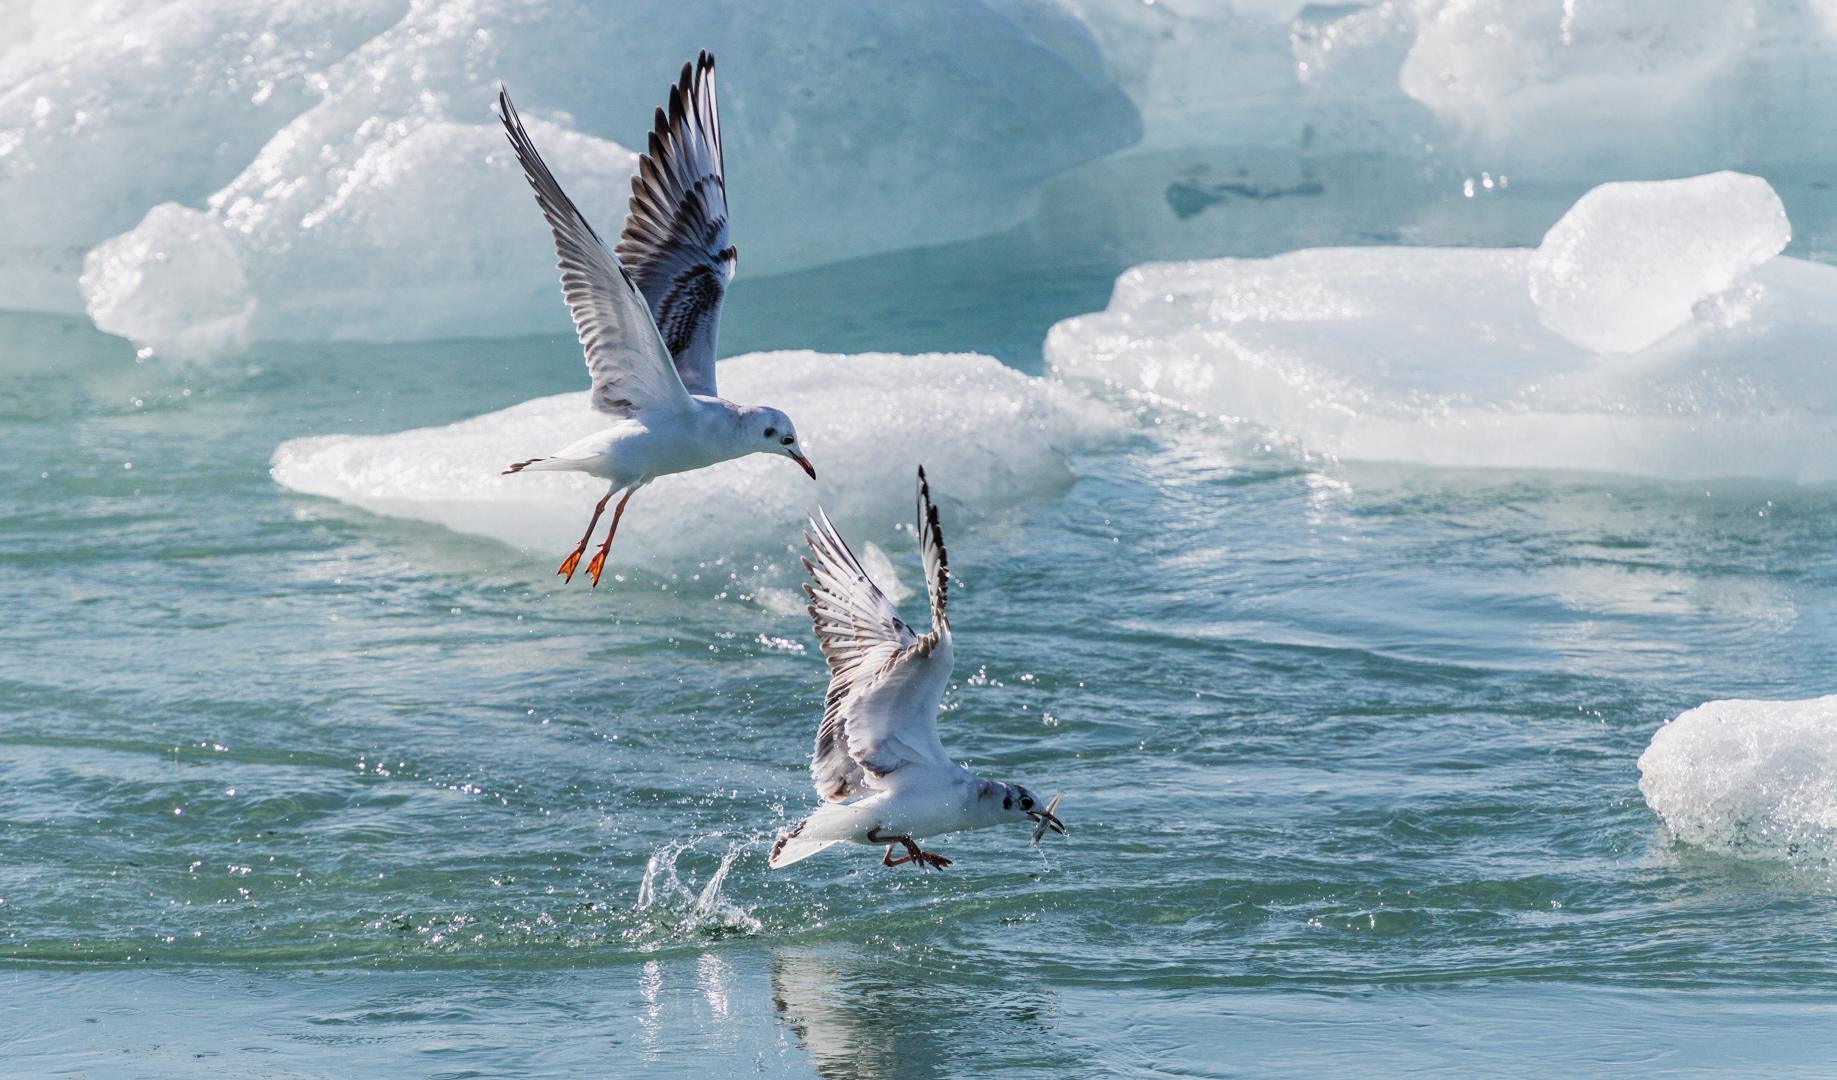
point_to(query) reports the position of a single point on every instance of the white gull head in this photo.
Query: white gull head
(765, 430)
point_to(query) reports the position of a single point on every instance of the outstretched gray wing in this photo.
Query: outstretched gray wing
(630, 368)
(885, 682)
(675, 237)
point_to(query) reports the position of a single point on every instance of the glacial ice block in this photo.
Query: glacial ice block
(857, 128)
(1438, 357)
(387, 207)
(111, 107)
(1625, 266)
(1263, 73)
(1627, 87)
(416, 231)
(988, 436)
(197, 304)
(1544, 91)
(1750, 779)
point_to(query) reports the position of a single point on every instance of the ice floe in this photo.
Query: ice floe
(988, 436)
(1751, 779)
(1443, 357)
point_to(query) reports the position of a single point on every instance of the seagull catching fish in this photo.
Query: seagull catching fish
(648, 323)
(878, 761)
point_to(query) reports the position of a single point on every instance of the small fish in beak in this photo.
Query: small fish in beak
(1047, 820)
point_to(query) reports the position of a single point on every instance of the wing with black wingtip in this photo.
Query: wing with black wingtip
(675, 238)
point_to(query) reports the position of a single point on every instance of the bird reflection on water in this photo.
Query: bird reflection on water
(880, 1014)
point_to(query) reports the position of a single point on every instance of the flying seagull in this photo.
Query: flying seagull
(648, 316)
(878, 762)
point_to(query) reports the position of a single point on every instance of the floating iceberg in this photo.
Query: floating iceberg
(1264, 73)
(1751, 779)
(347, 150)
(988, 435)
(1543, 89)
(1443, 357)
(110, 107)
(413, 233)
(346, 153)
(1555, 89)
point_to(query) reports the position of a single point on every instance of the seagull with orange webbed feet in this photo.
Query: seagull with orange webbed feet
(648, 313)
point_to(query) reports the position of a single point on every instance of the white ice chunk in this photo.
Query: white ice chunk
(110, 107)
(175, 284)
(1437, 357)
(1625, 266)
(857, 128)
(391, 242)
(388, 207)
(1751, 779)
(987, 435)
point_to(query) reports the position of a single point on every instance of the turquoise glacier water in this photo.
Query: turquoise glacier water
(291, 790)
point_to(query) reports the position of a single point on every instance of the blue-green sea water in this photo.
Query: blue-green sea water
(1348, 752)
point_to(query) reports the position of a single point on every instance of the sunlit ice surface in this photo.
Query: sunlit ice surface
(1371, 762)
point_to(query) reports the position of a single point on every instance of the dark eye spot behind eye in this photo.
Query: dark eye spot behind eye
(771, 431)
(1008, 803)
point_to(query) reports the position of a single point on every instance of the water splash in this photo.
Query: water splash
(681, 908)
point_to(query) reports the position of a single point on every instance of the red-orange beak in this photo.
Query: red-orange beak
(804, 461)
